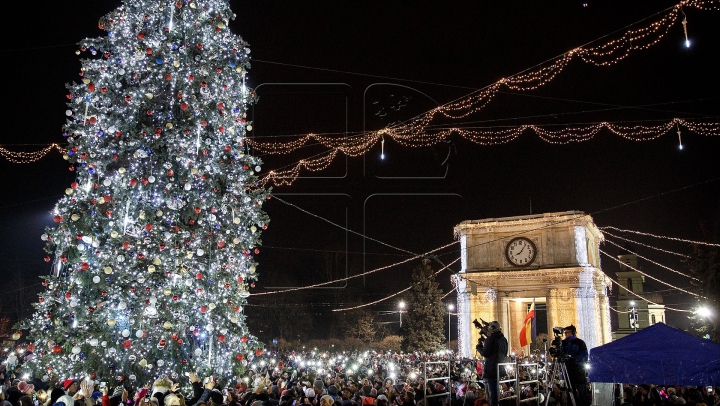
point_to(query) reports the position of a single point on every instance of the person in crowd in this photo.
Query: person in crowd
(576, 353)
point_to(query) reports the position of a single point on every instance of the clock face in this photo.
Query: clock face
(520, 251)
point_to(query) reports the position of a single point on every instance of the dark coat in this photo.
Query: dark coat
(492, 353)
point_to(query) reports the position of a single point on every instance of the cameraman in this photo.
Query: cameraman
(576, 355)
(494, 349)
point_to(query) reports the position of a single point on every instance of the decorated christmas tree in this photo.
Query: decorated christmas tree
(153, 250)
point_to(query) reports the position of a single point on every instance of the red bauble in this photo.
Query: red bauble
(239, 357)
(180, 341)
(198, 210)
(91, 87)
(85, 266)
(258, 352)
(148, 51)
(191, 77)
(175, 297)
(184, 106)
(244, 339)
(74, 185)
(31, 347)
(127, 344)
(148, 226)
(203, 309)
(163, 342)
(57, 349)
(221, 338)
(68, 295)
(47, 259)
(221, 244)
(174, 336)
(141, 35)
(198, 276)
(57, 219)
(41, 300)
(91, 309)
(168, 77)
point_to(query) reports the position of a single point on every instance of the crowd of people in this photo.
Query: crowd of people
(313, 378)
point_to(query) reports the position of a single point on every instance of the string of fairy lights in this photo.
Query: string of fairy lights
(396, 293)
(650, 260)
(361, 144)
(414, 132)
(639, 296)
(660, 236)
(605, 232)
(28, 157)
(457, 259)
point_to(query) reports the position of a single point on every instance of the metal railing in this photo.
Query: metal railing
(436, 378)
(512, 371)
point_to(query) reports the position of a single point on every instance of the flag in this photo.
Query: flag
(528, 333)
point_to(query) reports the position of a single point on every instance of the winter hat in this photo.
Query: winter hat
(493, 327)
(25, 388)
(216, 396)
(309, 392)
(67, 383)
(332, 389)
(382, 397)
(67, 399)
(319, 384)
(327, 399)
(118, 391)
(55, 395)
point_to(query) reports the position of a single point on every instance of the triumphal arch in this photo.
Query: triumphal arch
(552, 259)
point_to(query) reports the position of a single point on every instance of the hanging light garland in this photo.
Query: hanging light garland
(651, 261)
(660, 236)
(28, 157)
(420, 137)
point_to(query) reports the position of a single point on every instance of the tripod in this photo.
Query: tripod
(559, 373)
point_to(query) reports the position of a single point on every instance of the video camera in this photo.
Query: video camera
(555, 349)
(481, 325)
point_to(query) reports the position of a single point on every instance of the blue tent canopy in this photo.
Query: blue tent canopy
(658, 355)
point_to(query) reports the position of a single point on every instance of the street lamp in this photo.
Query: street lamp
(401, 305)
(450, 307)
(633, 316)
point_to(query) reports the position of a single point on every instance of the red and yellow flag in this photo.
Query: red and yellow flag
(528, 333)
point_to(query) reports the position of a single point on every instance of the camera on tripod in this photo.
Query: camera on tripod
(555, 349)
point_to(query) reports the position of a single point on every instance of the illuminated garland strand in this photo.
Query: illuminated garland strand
(642, 298)
(653, 262)
(394, 294)
(28, 157)
(646, 245)
(359, 275)
(660, 236)
(652, 277)
(363, 143)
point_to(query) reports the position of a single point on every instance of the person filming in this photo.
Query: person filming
(576, 356)
(494, 349)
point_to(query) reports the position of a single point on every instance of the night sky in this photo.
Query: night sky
(339, 67)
